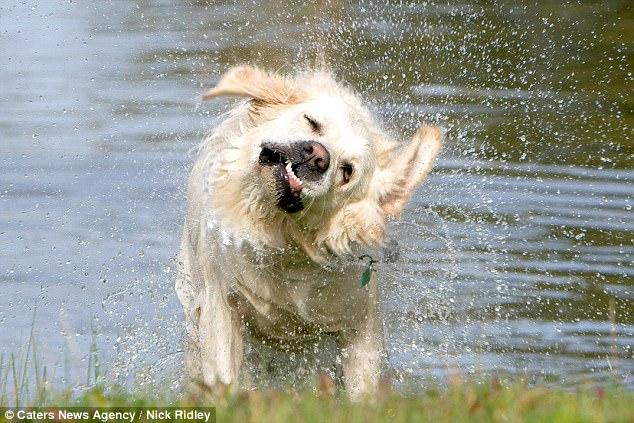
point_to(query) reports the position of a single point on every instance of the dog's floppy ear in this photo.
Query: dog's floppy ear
(255, 83)
(409, 167)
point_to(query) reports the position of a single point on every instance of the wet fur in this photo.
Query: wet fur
(291, 275)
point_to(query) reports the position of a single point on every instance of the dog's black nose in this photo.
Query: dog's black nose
(315, 156)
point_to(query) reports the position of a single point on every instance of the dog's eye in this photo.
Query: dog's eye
(314, 125)
(347, 170)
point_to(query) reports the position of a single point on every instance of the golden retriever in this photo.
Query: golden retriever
(288, 197)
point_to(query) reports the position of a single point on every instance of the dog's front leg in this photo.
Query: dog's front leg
(362, 349)
(221, 343)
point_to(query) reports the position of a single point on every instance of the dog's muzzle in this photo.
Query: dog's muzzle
(294, 165)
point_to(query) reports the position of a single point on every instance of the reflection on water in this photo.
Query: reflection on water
(516, 254)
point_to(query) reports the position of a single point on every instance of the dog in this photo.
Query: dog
(288, 195)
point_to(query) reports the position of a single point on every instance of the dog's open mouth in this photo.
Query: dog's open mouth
(288, 186)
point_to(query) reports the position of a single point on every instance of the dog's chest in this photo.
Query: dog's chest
(285, 284)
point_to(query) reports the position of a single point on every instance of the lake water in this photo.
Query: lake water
(516, 256)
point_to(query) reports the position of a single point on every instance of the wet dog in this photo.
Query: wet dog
(288, 196)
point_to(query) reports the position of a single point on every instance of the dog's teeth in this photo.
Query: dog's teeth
(291, 174)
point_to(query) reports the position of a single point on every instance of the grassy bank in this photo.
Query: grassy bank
(459, 402)
(23, 383)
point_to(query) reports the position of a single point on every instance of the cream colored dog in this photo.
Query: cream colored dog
(289, 191)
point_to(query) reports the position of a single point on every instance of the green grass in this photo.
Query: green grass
(22, 379)
(460, 402)
(23, 382)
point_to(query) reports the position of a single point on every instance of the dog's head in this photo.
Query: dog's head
(307, 148)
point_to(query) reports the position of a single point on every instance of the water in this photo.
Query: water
(516, 256)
